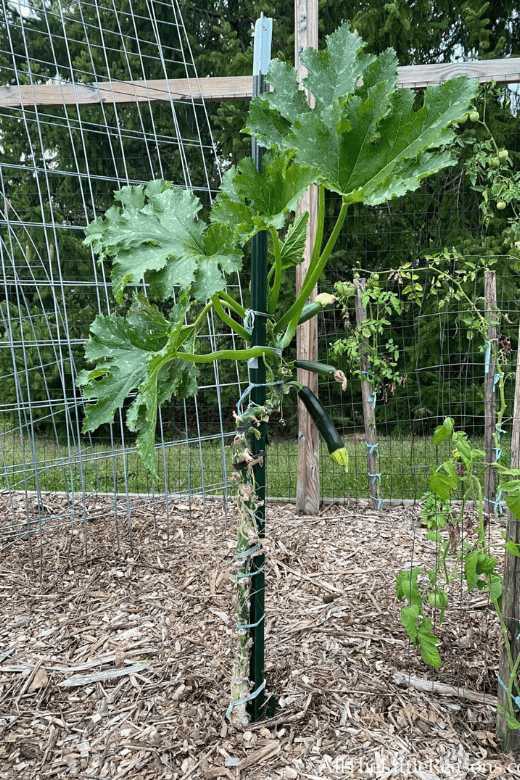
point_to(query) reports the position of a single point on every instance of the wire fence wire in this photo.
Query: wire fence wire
(440, 367)
(439, 372)
(59, 167)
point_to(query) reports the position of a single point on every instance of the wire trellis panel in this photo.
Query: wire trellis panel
(60, 164)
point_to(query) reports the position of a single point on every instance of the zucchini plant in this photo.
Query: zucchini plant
(365, 140)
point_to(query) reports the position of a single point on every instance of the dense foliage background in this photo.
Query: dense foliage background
(436, 357)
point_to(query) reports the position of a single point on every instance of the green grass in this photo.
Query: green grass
(405, 465)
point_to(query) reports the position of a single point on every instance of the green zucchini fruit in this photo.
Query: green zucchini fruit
(323, 369)
(317, 368)
(310, 310)
(325, 426)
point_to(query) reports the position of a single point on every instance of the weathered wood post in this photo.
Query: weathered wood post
(509, 738)
(490, 476)
(308, 488)
(369, 401)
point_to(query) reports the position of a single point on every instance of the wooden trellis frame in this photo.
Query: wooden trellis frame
(241, 88)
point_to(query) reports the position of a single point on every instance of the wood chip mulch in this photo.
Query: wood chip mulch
(117, 641)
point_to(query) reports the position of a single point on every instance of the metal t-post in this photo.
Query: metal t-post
(262, 56)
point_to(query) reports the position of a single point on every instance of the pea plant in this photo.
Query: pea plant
(462, 551)
(364, 140)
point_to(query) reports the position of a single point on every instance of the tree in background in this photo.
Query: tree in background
(60, 167)
(444, 212)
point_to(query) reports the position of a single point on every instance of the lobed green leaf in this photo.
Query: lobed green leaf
(293, 246)
(444, 480)
(513, 504)
(250, 201)
(444, 431)
(410, 619)
(142, 352)
(364, 138)
(428, 642)
(406, 587)
(156, 236)
(512, 548)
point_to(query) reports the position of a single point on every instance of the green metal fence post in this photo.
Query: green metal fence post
(262, 56)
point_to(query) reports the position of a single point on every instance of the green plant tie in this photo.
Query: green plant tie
(516, 699)
(250, 573)
(372, 447)
(251, 386)
(497, 506)
(241, 556)
(245, 699)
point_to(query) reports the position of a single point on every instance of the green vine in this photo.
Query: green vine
(367, 340)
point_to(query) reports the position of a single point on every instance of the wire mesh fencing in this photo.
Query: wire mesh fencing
(61, 160)
(438, 370)
(63, 152)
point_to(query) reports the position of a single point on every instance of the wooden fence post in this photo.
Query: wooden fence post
(509, 738)
(490, 297)
(369, 401)
(308, 486)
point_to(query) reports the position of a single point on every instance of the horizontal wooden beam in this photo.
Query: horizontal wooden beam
(501, 71)
(227, 88)
(154, 91)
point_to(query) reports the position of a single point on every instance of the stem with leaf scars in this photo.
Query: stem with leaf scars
(247, 541)
(248, 545)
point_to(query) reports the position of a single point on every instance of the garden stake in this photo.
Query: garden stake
(509, 661)
(262, 56)
(490, 445)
